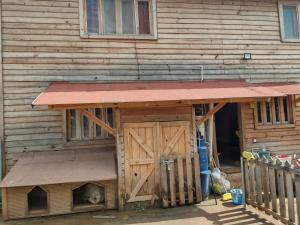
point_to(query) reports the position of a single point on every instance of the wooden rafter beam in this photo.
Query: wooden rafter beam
(98, 121)
(210, 113)
(297, 100)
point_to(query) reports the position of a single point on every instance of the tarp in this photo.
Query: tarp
(65, 93)
(42, 168)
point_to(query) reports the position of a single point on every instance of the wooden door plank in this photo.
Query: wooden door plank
(180, 180)
(173, 141)
(141, 142)
(141, 182)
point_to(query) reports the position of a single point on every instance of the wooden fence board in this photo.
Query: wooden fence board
(258, 183)
(189, 179)
(197, 177)
(297, 186)
(172, 184)
(247, 178)
(180, 180)
(252, 183)
(266, 185)
(281, 192)
(290, 195)
(272, 179)
(164, 185)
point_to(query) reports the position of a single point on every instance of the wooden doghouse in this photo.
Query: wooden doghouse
(52, 183)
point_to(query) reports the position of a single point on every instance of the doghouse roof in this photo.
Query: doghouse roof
(65, 93)
(42, 168)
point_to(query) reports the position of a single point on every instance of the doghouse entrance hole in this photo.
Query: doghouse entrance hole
(37, 200)
(88, 195)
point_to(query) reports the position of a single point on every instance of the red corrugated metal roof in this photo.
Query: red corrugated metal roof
(42, 168)
(64, 93)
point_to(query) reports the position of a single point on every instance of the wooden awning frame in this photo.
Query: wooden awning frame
(152, 104)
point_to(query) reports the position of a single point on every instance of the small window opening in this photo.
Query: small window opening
(37, 200)
(285, 109)
(259, 116)
(88, 195)
(277, 110)
(268, 112)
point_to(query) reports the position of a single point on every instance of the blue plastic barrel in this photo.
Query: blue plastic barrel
(203, 155)
(205, 183)
(204, 171)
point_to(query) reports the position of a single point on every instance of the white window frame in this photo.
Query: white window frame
(119, 35)
(282, 3)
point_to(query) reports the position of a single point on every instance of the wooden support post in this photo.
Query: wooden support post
(210, 133)
(121, 189)
(98, 121)
(2, 153)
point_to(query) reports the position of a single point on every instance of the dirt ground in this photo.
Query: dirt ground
(205, 213)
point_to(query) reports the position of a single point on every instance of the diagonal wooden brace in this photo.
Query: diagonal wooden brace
(210, 113)
(98, 121)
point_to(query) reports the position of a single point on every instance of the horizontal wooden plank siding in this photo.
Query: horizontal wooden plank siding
(41, 43)
(280, 140)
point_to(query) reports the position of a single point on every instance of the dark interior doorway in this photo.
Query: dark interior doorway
(227, 135)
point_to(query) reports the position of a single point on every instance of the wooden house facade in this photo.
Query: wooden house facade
(237, 42)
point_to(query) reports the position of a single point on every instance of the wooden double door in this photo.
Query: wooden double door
(145, 143)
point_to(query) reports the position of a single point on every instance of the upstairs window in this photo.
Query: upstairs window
(289, 20)
(276, 111)
(118, 18)
(79, 127)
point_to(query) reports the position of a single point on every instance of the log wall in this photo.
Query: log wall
(41, 43)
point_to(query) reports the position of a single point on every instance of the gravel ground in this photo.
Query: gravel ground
(205, 213)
